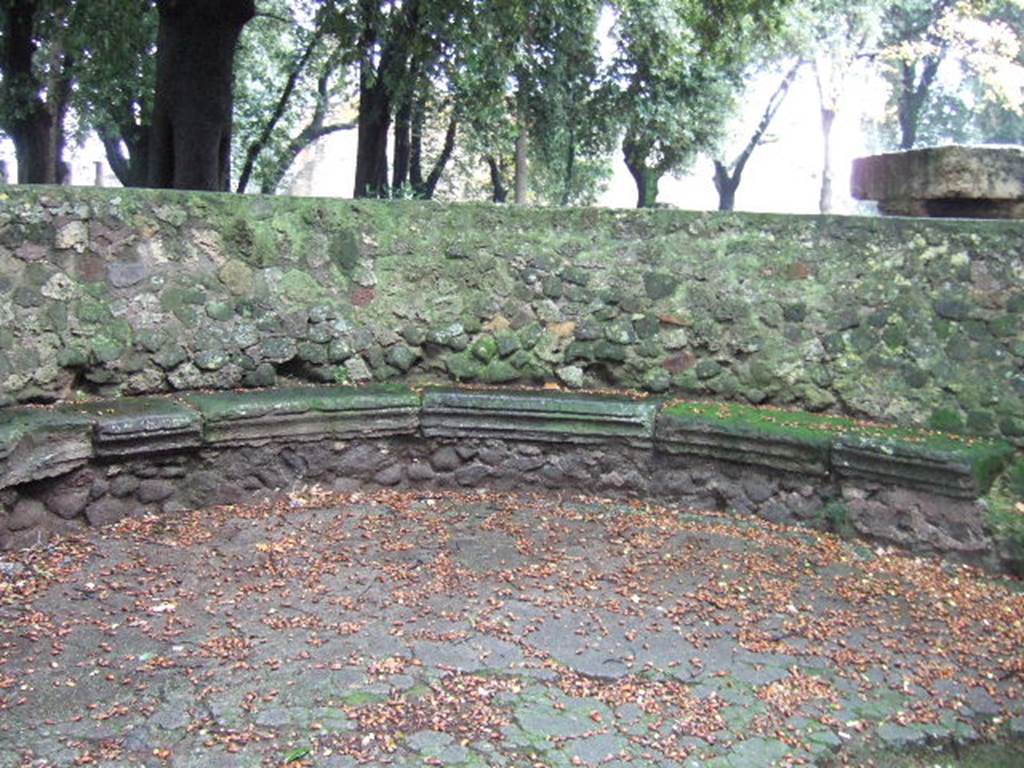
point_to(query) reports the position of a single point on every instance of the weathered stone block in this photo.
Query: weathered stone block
(142, 425)
(307, 413)
(743, 435)
(942, 465)
(549, 416)
(37, 443)
(968, 182)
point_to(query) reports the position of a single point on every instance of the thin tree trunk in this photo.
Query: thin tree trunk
(314, 130)
(190, 145)
(403, 145)
(499, 192)
(425, 191)
(128, 166)
(418, 123)
(726, 181)
(260, 142)
(726, 185)
(570, 170)
(306, 136)
(828, 117)
(913, 97)
(522, 163)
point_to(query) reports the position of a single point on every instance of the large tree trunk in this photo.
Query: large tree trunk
(372, 152)
(32, 128)
(33, 138)
(646, 179)
(726, 185)
(190, 144)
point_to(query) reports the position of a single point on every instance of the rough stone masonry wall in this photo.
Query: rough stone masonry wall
(126, 292)
(108, 491)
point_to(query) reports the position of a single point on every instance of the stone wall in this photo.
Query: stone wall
(110, 293)
(108, 491)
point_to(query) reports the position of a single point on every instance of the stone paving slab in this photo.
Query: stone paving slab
(491, 630)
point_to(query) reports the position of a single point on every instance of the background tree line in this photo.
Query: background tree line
(521, 96)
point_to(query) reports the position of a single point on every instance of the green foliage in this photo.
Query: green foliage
(1006, 515)
(291, 75)
(536, 66)
(676, 74)
(835, 518)
(116, 70)
(979, 41)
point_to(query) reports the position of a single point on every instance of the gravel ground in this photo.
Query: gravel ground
(492, 630)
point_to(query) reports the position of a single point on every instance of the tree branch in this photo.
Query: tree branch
(260, 143)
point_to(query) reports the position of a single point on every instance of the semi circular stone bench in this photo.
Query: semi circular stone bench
(71, 465)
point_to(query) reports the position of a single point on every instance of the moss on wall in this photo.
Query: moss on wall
(914, 322)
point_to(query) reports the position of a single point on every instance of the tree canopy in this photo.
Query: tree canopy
(506, 98)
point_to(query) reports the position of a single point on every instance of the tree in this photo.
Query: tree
(35, 62)
(839, 34)
(290, 76)
(677, 70)
(190, 140)
(728, 175)
(979, 36)
(114, 80)
(528, 90)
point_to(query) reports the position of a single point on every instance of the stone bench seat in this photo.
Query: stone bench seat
(471, 437)
(547, 415)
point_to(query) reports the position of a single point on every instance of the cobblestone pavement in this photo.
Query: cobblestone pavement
(490, 630)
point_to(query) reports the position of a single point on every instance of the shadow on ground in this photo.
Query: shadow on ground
(491, 630)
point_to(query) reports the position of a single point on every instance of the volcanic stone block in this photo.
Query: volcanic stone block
(307, 413)
(134, 426)
(742, 435)
(549, 416)
(942, 465)
(36, 443)
(970, 182)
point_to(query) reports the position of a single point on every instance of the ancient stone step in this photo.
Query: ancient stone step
(549, 416)
(307, 413)
(37, 443)
(743, 435)
(961, 469)
(133, 426)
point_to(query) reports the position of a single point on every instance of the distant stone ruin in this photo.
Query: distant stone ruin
(971, 182)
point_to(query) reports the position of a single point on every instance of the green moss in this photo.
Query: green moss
(361, 699)
(243, 405)
(835, 518)
(300, 287)
(814, 427)
(1005, 503)
(946, 420)
(485, 349)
